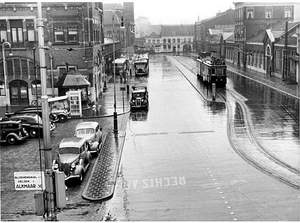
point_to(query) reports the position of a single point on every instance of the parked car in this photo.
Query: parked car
(139, 98)
(11, 131)
(33, 123)
(73, 158)
(92, 132)
(33, 110)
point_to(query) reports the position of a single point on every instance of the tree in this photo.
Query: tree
(142, 25)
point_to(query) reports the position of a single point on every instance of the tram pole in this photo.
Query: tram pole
(50, 212)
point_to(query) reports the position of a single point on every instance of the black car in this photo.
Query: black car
(139, 98)
(33, 110)
(32, 123)
(11, 131)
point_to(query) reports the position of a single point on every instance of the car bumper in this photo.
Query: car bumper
(138, 106)
(71, 177)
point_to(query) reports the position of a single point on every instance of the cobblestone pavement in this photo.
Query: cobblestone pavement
(102, 180)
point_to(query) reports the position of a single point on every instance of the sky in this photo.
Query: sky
(163, 12)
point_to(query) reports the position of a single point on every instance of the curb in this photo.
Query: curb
(103, 177)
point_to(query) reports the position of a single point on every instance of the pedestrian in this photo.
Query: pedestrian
(94, 108)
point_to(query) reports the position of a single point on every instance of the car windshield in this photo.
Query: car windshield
(85, 131)
(138, 95)
(69, 150)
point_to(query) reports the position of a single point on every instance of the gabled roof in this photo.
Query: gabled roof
(108, 17)
(153, 35)
(214, 31)
(227, 35)
(274, 32)
(72, 79)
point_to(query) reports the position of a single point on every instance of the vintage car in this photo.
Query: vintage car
(92, 132)
(33, 123)
(60, 106)
(73, 158)
(139, 98)
(33, 110)
(11, 131)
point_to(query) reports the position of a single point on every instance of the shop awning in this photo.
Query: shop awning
(72, 79)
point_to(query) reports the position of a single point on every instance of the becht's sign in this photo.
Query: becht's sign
(29, 180)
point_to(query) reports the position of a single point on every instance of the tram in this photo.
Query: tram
(212, 70)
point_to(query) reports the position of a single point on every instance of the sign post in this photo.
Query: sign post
(29, 180)
(123, 89)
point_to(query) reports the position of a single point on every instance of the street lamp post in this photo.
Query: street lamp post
(114, 68)
(7, 101)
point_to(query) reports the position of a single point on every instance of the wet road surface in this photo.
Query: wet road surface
(178, 163)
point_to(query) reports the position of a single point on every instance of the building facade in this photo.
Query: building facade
(204, 29)
(171, 39)
(255, 24)
(74, 39)
(119, 18)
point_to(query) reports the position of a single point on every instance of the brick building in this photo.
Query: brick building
(114, 15)
(257, 28)
(205, 30)
(72, 32)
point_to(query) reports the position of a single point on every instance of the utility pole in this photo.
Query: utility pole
(49, 202)
(285, 54)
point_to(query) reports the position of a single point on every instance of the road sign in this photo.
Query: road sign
(29, 180)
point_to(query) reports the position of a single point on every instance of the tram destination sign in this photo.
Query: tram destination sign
(29, 180)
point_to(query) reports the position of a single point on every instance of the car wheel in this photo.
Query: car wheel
(11, 140)
(62, 118)
(33, 133)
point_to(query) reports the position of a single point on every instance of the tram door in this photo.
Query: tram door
(19, 93)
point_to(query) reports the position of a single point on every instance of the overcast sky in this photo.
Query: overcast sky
(176, 12)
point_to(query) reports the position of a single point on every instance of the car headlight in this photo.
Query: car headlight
(73, 166)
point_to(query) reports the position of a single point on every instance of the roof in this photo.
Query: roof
(214, 31)
(72, 79)
(58, 98)
(71, 142)
(177, 30)
(273, 32)
(120, 60)
(227, 35)
(113, 6)
(108, 17)
(87, 125)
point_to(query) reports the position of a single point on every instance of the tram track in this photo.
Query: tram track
(251, 151)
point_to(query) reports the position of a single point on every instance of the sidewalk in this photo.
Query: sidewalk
(271, 81)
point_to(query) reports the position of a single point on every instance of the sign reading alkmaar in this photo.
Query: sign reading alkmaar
(29, 180)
